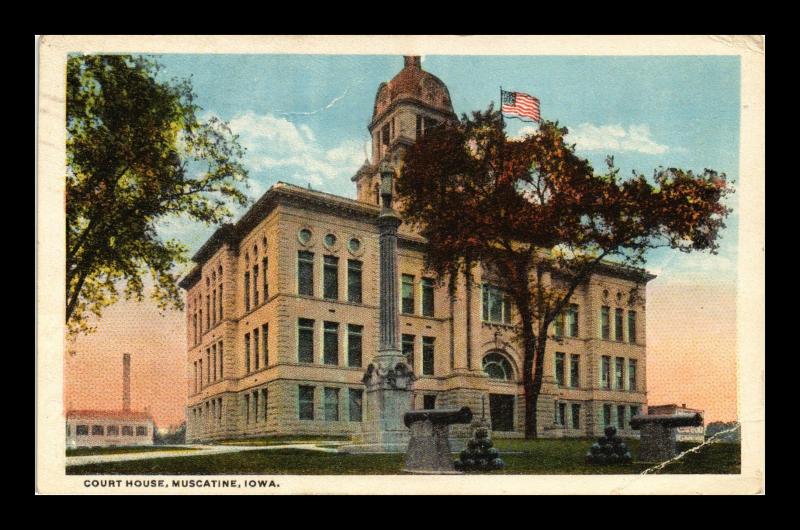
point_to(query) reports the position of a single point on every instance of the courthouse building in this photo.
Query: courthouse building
(282, 312)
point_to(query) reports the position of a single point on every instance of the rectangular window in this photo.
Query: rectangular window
(427, 297)
(620, 417)
(558, 325)
(385, 134)
(496, 305)
(214, 305)
(305, 273)
(330, 289)
(575, 370)
(572, 320)
(200, 365)
(247, 408)
(632, 375)
(606, 415)
(355, 397)
(97, 430)
(576, 416)
(220, 301)
(305, 340)
(632, 327)
(634, 412)
(208, 311)
(331, 404)
(195, 377)
(255, 285)
(354, 345)
(330, 350)
(214, 360)
(605, 371)
(247, 291)
(354, 281)
(605, 322)
(619, 365)
(256, 356)
(407, 342)
(201, 324)
(408, 294)
(141, 431)
(255, 406)
(265, 398)
(247, 353)
(112, 430)
(428, 355)
(127, 430)
(618, 325)
(208, 365)
(265, 274)
(562, 414)
(194, 327)
(560, 381)
(265, 343)
(221, 361)
(429, 401)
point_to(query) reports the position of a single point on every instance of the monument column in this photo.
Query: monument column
(389, 379)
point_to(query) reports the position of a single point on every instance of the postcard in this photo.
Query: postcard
(400, 264)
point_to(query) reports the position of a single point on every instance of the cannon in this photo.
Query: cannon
(429, 447)
(657, 442)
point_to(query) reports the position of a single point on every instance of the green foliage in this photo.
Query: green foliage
(137, 152)
(541, 220)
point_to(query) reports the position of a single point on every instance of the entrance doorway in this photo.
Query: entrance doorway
(501, 407)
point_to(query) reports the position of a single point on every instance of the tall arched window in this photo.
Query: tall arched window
(497, 366)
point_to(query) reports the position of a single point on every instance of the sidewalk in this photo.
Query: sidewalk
(191, 450)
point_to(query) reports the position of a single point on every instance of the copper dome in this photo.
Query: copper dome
(413, 83)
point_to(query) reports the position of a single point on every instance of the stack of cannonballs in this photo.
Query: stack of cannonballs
(609, 449)
(479, 454)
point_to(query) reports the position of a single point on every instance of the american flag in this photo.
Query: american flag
(521, 104)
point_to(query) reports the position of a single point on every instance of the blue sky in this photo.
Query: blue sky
(303, 118)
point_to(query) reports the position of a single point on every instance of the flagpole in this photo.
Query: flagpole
(502, 122)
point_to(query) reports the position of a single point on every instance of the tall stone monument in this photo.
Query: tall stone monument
(389, 379)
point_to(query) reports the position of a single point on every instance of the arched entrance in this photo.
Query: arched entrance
(501, 406)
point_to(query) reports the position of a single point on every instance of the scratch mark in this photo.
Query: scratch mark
(694, 449)
(333, 102)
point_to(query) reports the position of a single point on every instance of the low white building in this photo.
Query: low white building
(682, 434)
(108, 428)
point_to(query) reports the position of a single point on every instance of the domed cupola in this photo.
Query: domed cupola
(412, 85)
(411, 103)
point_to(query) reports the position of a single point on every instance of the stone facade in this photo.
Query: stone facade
(230, 311)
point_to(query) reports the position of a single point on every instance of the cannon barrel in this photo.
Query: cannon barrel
(668, 420)
(446, 416)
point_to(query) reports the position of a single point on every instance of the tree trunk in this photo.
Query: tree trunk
(529, 374)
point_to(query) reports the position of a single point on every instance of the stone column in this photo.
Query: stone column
(389, 379)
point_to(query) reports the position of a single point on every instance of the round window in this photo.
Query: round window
(354, 245)
(330, 240)
(304, 235)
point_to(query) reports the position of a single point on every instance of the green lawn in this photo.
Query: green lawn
(87, 451)
(539, 457)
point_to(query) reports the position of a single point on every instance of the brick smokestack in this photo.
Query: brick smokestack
(126, 381)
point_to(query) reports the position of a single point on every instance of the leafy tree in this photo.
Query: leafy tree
(137, 152)
(542, 221)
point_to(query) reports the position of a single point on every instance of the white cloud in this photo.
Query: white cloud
(286, 151)
(590, 137)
